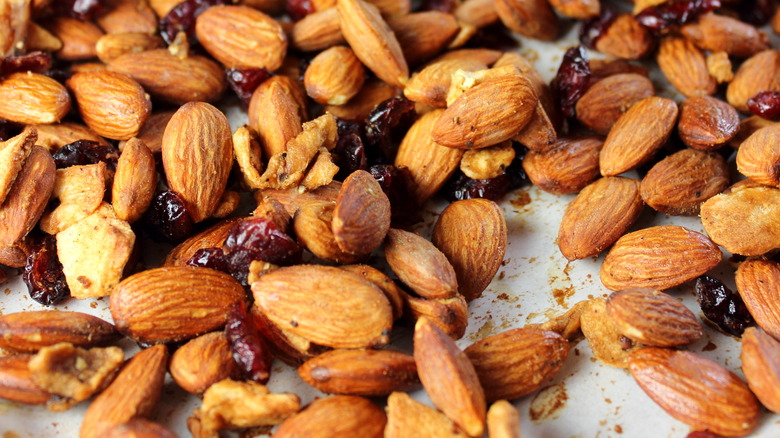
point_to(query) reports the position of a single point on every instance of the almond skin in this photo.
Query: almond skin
(422, 35)
(696, 391)
(134, 181)
(761, 365)
(27, 196)
(33, 330)
(362, 214)
(757, 283)
(16, 383)
(408, 417)
(606, 100)
(202, 362)
(684, 65)
(114, 45)
(758, 157)
(173, 304)
(334, 76)
(316, 31)
(720, 33)
(625, 38)
(707, 123)
(760, 72)
(531, 18)
(45, 100)
(431, 84)
(568, 167)
(339, 415)
(658, 257)
(420, 265)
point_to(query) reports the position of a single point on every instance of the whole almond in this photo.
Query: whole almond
(757, 282)
(313, 225)
(721, 33)
(681, 182)
(134, 181)
(707, 123)
(334, 76)
(112, 46)
(578, 9)
(316, 31)
(128, 16)
(16, 383)
(276, 111)
(360, 372)
(111, 104)
(140, 428)
(606, 100)
(658, 257)
(211, 237)
(241, 37)
(568, 167)
(339, 415)
(172, 304)
(758, 157)
(133, 393)
(684, 65)
(696, 390)
(420, 265)
(27, 196)
(373, 41)
(517, 362)
(46, 100)
(33, 330)
(450, 315)
(761, 365)
(202, 362)
(362, 214)
(409, 417)
(197, 153)
(625, 38)
(347, 312)
(503, 420)
(530, 18)
(758, 73)
(78, 37)
(637, 135)
(478, 13)
(472, 235)
(422, 35)
(431, 84)
(384, 283)
(598, 216)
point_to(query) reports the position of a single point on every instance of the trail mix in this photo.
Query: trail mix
(290, 236)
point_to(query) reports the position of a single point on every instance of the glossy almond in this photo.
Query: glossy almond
(684, 65)
(347, 312)
(757, 283)
(761, 365)
(276, 111)
(334, 76)
(173, 304)
(707, 123)
(568, 167)
(758, 157)
(721, 33)
(134, 181)
(45, 100)
(112, 46)
(420, 265)
(362, 214)
(760, 72)
(422, 35)
(517, 362)
(696, 391)
(472, 235)
(78, 37)
(658, 257)
(33, 330)
(339, 415)
(606, 100)
(530, 18)
(637, 135)
(202, 361)
(598, 216)
(27, 196)
(318, 30)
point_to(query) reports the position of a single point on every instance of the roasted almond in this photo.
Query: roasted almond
(684, 65)
(45, 100)
(758, 73)
(362, 214)
(757, 282)
(276, 112)
(422, 35)
(568, 167)
(707, 123)
(211, 237)
(758, 157)
(112, 46)
(78, 37)
(431, 84)
(33, 330)
(606, 100)
(57, 135)
(478, 13)
(605, 339)
(202, 362)
(409, 417)
(721, 33)
(313, 225)
(128, 16)
(343, 415)
(503, 420)
(625, 38)
(450, 315)
(334, 76)
(420, 265)
(134, 181)
(530, 18)
(27, 196)
(16, 383)
(761, 365)
(139, 427)
(316, 31)
(372, 94)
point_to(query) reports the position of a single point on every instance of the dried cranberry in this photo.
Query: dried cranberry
(37, 62)
(722, 306)
(80, 9)
(249, 348)
(496, 36)
(385, 127)
(701, 434)
(212, 258)
(438, 5)
(43, 273)
(298, 9)
(182, 19)
(660, 17)
(244, 81)
(591, 30)
(572, 79)
(461, 187)
(396, 183)
(9, 129)
(83, 152)
(765, 104)
(168, 219)
(756, 12)
(350, 151)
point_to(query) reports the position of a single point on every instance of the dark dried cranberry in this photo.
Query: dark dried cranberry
(9, 129)
(212, 258)
(84, 152)
(43, 273)
(249, 348)
(756, 12)
(496, 36)
(244, 81)
(350, 151)
(37, 62)
(722, 306)
(385, 127)
(701, 434)
(80, 9)
(461, 187)
(660, 17)
(765, 104)
(168, 219)
(591, 30)
(396, 183)
(298, 9)
(182, 19)
(438, 5)
(572, 79)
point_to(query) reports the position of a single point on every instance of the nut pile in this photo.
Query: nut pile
(291, 238)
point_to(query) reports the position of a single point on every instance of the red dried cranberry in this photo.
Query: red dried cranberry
(298, 9)
(350, 151)
(80, 9)
(438, 5)
(385, 127)
(43, 273)
(461, 187)
(168, 219)
(756, 12)
(591, 30)
(660, 17)
(84, 152)
(765, 104)
(722, 306)
(212, 258)
(182, 19)
(37, 62)
(396, 183)
(496, 36)
(249, 348)
(244, 81)
(572, 79)
(701, 434)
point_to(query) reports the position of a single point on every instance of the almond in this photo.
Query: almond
(134, 181)
(696, 391)
(318, 30)
(517, 362)
(598, 216)
(758, 73)
(604, 337)
(606, 100)
(409, 417)
(342, 415)
(128, 16)
(758, 157)
(420, 265)
(276, 112)
(78, 37)
(211, 237)
(27, 196)
(684, 65)
(478, 13)
(719, 66)
(334, 76)
(503, 420)
(625, 38)
(362, 214)
(313, 225)
(422, 35)
(372, 94)
(57, 135)
(347, 312)
(450, 315)
(707, 123)
(172, 304)
(33, 330)
(46, 100)
(202, 361)
(718, 33)
(112, 46)
(139, 427)
(637, 135)
(449, 377)
(530, 18)
(386, 284)
(16, 383)
(568, 167)
(658, 257)
(431, 84)
(761, 365)
(241, 37)
(757, 282)
(472, 234)
(80, 190)
(653, 318)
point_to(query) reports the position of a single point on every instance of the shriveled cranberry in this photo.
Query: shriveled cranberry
(660, 17)
(168, 219)
(249, 348)
(438, 5)
(496, 36)
(84, 152)
(182, 19)
(37, 62)
(350, 151)
(79, 9)
(385, 127)
(212, 258)
(765, 104)
(572, 79)
(591, 30)
(722, 306)
(461, 187)
(298, 9)
(396, 183)
(756, 12)
(259, 239)
(9, 129)
(244, 81)
(43, 273)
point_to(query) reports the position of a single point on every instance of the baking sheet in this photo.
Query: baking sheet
(586, 398)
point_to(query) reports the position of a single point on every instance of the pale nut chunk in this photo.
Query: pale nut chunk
(13, 155)
(530, 18)
(34, 329)
(111, 46)
(606, 100)
(361, 217)
(625, 38)
(17, 15)
(431, 84)
(78, 37)
(338, 415)
(334, 76)
(487, 163)
(744, 221)
(80, 190)
(409, 417)
(568, 167)
(45, 100)
(134, 181)
(604, 337)
(760, 72)
(684, 65)
(716, 33)
(422, 35)
(240, 37)
(111, 104)
(696, 390)
(719, 66)
(758, 157)
(503, 420)
(707, 123)
(248, 153)
(420, 265)
(761, 365)
(567, 324)
(757, 283)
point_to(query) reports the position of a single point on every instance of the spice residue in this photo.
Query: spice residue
(547, 403)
